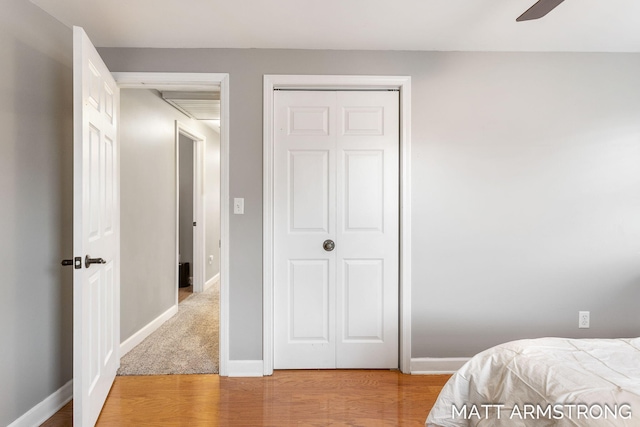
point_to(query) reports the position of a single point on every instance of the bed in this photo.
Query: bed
(545, 382)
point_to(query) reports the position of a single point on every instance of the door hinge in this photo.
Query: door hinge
(194, 223)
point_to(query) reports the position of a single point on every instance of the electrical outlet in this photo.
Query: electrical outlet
(583, 319)
(210, 259)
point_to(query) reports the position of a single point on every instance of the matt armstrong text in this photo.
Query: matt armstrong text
(528, 411)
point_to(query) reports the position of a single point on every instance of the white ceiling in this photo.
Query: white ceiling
(443, 25)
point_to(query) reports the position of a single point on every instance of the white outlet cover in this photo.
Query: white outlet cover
(583, 319)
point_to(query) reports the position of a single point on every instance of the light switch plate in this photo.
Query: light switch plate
(238, 206)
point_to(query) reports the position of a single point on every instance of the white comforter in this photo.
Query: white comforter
(545, 382)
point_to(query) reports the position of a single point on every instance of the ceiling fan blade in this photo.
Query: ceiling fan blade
(538, 10)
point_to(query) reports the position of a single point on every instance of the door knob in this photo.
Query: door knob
(88, 261)
(328, 245)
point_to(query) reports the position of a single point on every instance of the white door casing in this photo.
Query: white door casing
(96, 231)
(336, 178)
(201, 82)
(336, 82)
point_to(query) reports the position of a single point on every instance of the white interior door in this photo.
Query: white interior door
(96, 231)
(336, 182)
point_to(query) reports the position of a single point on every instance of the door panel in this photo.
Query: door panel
(363, 121)
(309, 191)
(363, 295)
(109, 183)
(336, 178)
(96, 288)
(305, 162)
(309, 296)
(308, 121)
(364, 191)
(94, 182)
(367, 237)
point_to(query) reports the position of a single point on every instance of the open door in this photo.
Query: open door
(96, 231)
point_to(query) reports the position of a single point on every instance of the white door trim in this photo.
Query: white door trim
(198, 205)
(202, 81)
(403, 84)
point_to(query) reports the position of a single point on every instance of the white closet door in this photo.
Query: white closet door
(367, 229)
(304, 217)
(336, 182)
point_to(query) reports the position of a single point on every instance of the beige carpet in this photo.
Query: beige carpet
(185, 344)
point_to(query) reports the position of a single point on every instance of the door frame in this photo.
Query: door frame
(199, 159)
(202, 81)
(334, 82)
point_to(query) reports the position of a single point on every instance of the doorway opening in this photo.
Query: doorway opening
(191, 214)
(194, 82)
(165, 182)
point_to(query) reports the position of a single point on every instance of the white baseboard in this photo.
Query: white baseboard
(209, 283)
(245, 368)
(45, 409)
(436, 365)
(138, 337)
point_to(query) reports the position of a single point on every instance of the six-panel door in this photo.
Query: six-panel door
(336, 178)
(96, 287)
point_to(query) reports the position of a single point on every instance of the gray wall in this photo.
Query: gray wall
(185, 210)
(148, 206)
(526, 193)
(36, 160)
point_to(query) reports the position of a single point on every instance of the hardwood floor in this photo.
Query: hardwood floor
(300, 398)
(184, 293)
(62, 418)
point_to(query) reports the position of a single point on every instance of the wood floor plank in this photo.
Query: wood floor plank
(300, 398)
(62, 418)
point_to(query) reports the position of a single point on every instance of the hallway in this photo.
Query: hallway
(187, 343)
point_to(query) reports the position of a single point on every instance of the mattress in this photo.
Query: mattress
(545, 382)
